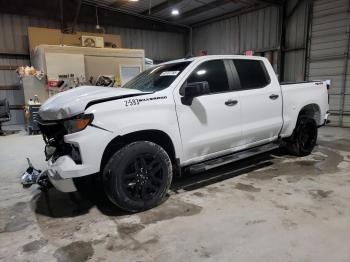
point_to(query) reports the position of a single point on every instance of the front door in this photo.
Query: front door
(210, 126)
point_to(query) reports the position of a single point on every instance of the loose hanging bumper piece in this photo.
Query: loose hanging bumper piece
(35, 176)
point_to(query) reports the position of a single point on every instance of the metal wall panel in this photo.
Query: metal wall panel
(159, 46)
(294, 66)
(328, 56)
(258, 30)
(14, 30)
(221, 37)
(17, 119)
(10, 78)
(295, 41)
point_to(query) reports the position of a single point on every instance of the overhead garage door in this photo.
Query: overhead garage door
(329, 54)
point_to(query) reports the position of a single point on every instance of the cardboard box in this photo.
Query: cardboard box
(92, 41)
(40, 36)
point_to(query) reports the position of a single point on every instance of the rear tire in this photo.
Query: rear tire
(304, 137)
(138, 176)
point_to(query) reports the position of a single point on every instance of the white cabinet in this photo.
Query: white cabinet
(80, 64)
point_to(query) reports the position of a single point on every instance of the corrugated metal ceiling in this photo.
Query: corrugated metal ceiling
(191, 11)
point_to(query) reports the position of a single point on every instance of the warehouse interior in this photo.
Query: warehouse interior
(272, 207)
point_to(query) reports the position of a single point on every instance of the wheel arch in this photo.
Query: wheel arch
(153, 135)
(312, 111)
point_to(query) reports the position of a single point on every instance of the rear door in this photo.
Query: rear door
(261, 101)
(211, 125)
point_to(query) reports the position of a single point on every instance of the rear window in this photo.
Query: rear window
(252, 73)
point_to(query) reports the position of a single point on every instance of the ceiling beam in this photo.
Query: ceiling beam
(295, 7)
(204, 8)
(108, 16)
(238, 12)
(77, 13)
(271, 2)
(160, 7)
(118, 3)
(143, 18)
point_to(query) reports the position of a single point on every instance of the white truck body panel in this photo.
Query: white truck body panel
(296, 96)
(120, 119)
(262, 117)
(73, 102)
(203, 130)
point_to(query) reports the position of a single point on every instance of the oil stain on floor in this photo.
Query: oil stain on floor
(16, 217)
(170, 209)
(34, 246)
(296, 170)
(319, 194)
(79, 251)
(248, 188)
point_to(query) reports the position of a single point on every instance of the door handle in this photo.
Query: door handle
(274, 97)
(231, 102)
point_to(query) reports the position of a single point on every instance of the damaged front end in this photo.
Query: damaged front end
(62, 115)
(53, 133)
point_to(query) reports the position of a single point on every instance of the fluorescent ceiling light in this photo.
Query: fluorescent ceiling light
(175, 12)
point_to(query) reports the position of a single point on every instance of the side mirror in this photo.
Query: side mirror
(192, 90)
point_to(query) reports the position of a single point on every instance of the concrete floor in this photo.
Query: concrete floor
(270, 208)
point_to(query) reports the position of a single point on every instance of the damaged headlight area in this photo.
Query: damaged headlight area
(77, 123)
(54, 131)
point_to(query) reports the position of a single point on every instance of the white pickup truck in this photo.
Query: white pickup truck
(192, 114)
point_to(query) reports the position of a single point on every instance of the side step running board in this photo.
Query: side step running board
(209, 164)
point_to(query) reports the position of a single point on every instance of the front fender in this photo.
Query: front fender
(123, 117)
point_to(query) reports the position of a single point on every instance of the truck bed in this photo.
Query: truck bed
(298, 94)
(299, 82)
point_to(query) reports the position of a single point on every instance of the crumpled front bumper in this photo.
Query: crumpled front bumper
(47, 178)
(55, 170)
(61, 170)
(91, 143)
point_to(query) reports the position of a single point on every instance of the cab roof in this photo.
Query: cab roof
(212, 57)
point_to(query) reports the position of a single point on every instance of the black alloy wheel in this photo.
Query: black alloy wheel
(304, 137)
(137, 176)
(307, 135)
(143, 177)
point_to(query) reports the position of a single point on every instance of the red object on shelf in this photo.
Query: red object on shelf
(202, 53)
(52, 83)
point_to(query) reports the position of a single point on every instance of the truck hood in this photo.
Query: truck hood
(74, 102)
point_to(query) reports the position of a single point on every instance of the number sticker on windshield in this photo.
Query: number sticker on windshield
(170, 73)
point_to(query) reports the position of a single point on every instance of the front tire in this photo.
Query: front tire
(138, 176)
(304, 137)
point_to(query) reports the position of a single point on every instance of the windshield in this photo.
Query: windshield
(156, 78)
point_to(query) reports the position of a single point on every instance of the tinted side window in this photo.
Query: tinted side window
(214, 73)
(252, 73)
